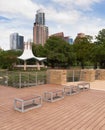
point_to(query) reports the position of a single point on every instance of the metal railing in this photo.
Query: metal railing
(22, 79)
(74, 75)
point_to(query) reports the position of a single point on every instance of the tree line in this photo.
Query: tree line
(61, 54)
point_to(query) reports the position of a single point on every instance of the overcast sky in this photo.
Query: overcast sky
(68, 16)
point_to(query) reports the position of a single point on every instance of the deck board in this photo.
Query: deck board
(82, 111)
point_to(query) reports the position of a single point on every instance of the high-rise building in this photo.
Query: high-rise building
(21, 42)
(13, 41)
(40, 31)
(16, 41)
(40, 17)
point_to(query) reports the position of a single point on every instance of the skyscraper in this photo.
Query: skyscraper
(21, 42)
(40, 31)
(16, 41)
(13, 41)
(40, 17)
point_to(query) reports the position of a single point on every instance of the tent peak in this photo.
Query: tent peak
(28, 54)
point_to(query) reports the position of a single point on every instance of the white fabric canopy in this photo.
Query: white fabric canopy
(27, 54)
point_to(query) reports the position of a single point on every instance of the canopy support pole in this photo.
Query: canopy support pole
(25, 64)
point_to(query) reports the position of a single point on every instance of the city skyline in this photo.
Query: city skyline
(69, 16)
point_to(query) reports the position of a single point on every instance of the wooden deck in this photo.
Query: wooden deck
(82, 111)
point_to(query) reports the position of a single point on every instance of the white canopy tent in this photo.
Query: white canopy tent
(28, 54)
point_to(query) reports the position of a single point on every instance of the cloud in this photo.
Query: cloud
(13, 8)
(79, 4)
(18, 17)
(62, 16)
(68, 16)
(2, 19)
(73, 17)
(84, 26)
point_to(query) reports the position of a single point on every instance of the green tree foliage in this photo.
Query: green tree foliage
(92, 55)
(99, 55)
(80, 40)
(83, 47)
(8, 59)
(89, 38)
(100, 48)
(82, 53)
(100, 38)
(38, 50)
(59, 53)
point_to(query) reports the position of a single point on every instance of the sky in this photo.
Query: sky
(68, 16)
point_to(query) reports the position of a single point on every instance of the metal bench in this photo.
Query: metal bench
(84, 86)
(53, 95)
(70, 90)
(27, 103)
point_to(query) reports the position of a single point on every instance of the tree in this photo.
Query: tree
(82, 53)
(38, 50)
(93, 55)
(83, 40)
(100, 53)
(89, 38)
(8, 59)
(82, 47)
(58, 52)
(100, 38)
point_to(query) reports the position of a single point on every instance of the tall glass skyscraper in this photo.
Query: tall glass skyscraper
(16, 41)
(40, 17)
(40, 31)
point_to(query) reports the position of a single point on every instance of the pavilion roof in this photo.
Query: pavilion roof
(28, 54)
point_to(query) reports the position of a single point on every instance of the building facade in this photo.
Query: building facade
(81, 35)
(16, 41)
(71, 40)
(66, 38)
(40, 31)
(40, 17)
(59, 34)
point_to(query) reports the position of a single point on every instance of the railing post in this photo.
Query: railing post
(28, 79)
(73, 75)
(7, 78)
(36, 79)
(19, 80)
